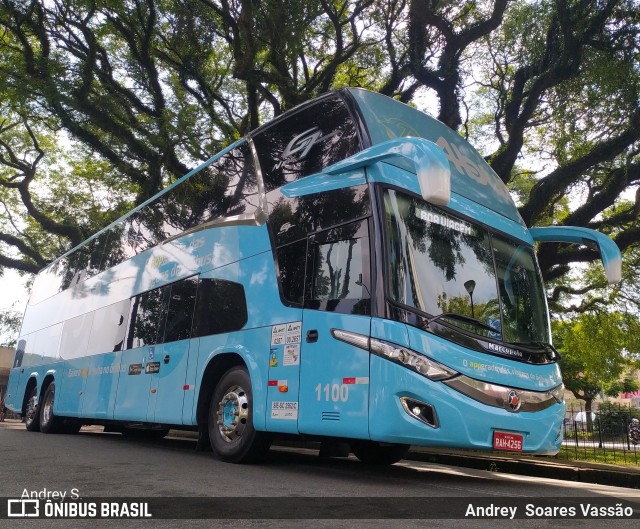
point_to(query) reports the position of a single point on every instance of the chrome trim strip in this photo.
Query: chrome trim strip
(503, 397)
(262, 195)
(257, 218)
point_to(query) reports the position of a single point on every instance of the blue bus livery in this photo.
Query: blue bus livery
(351, 270)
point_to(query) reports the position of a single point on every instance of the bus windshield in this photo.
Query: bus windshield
(459, 273)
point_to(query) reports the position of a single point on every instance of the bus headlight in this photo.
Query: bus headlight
(558, 393)
(400, 355)
(412, 360)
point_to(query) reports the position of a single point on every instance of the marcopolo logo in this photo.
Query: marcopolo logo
(503, 350)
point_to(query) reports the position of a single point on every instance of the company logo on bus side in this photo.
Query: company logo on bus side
(301, 144)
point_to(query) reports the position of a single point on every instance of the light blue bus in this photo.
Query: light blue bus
(352, 270)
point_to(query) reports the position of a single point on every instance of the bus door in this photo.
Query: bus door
(334, 374)
(167, 375)
(132, 396)
(142, 354)
(169, 370)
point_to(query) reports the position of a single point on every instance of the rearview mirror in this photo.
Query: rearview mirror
(609, 252)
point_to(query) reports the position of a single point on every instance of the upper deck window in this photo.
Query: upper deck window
(306, 142)
(224, 188)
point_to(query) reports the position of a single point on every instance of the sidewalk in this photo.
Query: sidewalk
(543, 466)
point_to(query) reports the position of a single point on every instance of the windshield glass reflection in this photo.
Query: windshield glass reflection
(448, 267)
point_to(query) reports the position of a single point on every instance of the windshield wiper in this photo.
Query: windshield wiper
(547, 347)
(460, 317)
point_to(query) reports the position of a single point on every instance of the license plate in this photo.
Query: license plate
(511, 442)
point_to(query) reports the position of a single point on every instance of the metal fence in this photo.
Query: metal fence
(605, 438)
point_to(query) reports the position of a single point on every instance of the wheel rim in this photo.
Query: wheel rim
(30, 413)
(233, 413)
(47, 408)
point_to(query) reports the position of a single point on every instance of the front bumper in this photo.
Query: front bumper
(462, 422)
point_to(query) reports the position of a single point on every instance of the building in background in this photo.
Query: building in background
(6, 361)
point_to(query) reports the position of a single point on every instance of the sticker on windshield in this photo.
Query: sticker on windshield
(441, 220)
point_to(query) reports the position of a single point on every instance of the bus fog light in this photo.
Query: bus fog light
(421, 411)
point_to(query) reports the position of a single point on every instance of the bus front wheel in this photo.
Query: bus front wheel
(31, 412)
(231, 433)
(374, 453)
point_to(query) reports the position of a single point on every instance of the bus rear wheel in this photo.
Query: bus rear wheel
(231, 433)
(374, 453)
(49, 423)
(31, 412)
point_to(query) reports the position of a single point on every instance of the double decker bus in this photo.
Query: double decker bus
(350, 270)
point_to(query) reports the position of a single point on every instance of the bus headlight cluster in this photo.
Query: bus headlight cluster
(400, 355)
(411, 359)
(558, 393)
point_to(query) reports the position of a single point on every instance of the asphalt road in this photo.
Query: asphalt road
(99, 465)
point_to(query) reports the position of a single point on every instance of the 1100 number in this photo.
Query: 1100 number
(334, 392)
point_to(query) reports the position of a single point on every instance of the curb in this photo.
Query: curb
(600, 474)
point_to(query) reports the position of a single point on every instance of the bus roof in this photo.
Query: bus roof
(471, 176)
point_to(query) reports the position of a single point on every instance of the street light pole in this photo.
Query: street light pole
(470, 286)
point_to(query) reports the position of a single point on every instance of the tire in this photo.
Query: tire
(32, 413)
(373, 453)
(49, 423)
(231, 433)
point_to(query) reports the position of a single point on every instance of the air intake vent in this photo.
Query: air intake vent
(330, 415)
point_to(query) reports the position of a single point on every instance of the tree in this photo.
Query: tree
(104, 103)
(9, 327)
(596, 350)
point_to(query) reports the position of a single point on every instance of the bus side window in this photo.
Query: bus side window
(96, 250)
(49, 342)
(109, 325)
(20, 350)
(116, 249)
(147, 319)
(180, 311)
(338, 271)
(150, 219)
(306, 142)
(76, 333)
(225, 188)
(48, 283)
(291, 263)
(30, 354)
(221, 307)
